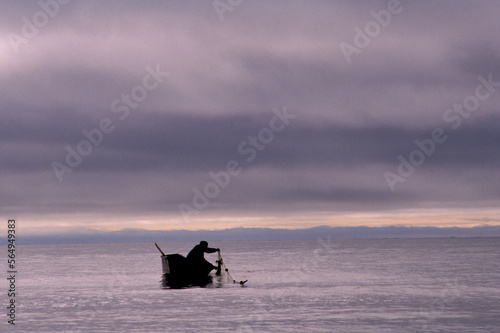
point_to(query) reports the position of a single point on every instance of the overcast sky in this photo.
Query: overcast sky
(348, 107)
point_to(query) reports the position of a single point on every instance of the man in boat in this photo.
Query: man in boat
(196, 259)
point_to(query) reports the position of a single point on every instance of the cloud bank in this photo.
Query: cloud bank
(354, 120)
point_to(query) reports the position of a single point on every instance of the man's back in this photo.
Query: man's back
(196, 254)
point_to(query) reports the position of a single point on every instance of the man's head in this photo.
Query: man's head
(204, 244)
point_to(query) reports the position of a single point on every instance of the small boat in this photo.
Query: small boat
(178, 273)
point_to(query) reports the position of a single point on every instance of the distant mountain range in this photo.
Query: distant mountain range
(235, 234)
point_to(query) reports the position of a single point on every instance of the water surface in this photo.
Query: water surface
(365, 285)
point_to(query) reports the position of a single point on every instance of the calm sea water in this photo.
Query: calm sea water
(371, 285)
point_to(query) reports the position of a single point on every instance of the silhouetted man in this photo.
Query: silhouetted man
(196, 258)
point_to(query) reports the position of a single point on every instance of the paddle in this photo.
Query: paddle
(159, 249)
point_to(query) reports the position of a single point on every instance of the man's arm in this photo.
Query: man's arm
(211, 250)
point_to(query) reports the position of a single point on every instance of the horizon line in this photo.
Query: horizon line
(137, 235)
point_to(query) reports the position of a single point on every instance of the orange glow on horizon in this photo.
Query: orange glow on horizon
(80, 223)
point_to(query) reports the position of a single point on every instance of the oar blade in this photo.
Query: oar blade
(159, 249)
